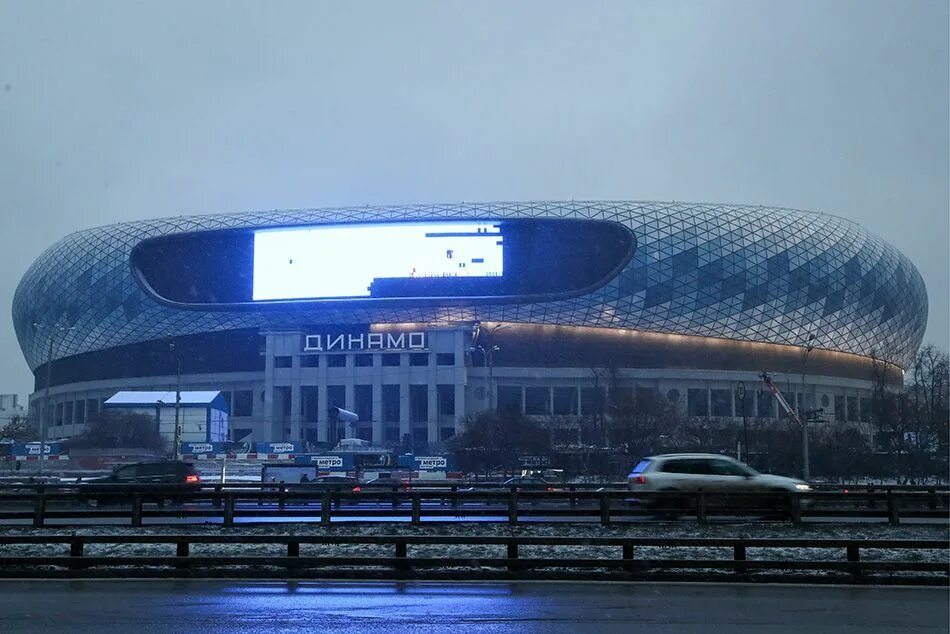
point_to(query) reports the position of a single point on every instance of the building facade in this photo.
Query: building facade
(546, 308)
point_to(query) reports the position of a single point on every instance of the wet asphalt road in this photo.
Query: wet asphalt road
(199, 607)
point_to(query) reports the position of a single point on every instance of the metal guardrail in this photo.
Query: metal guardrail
(228, 505)
(750, 560)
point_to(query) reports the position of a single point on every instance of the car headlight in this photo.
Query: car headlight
(802, 487)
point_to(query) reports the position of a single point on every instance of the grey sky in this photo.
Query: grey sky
(115, 111)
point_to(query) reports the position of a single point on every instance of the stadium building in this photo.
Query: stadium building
(415, 317)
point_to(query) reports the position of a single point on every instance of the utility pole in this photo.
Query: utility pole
(740, 392)
(177, 356)
(806, 468)
(488, 352)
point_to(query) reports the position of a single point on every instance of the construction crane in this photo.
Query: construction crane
(811, 415)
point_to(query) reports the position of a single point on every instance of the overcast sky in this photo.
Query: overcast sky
(115, 111)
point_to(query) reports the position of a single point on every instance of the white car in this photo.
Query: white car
(689, 472)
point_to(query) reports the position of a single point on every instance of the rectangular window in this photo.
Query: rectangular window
(391, 434)
(765, 407)
(80, 412)
(722, 402)
(509, 398)
(243, 402)
(420, 436)
(58, 416)
(336, 396)
(391, 404)
(391, 360)
(865, 410)
(310, 403)
(336, 361)
(419, 359)
(445, 358)
(418, 403)
(748, 402)
(92, 407)
(592, 401)
(446, 400)
(363, 360)
(68, 413)
(697, 403)
(364, 402)
(283, 362)
(537, 401)
(565, 401)
(852, 409)
(446, 433)
(310, 361)
(839, 409)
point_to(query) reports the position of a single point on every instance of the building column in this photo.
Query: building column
(349, 389)
(405, 427)
(268, 405)
(296, 410)
(323, 404)
(378, 429)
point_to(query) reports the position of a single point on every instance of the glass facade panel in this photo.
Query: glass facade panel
(565, 401)
(537, 401)
(721, 402)
(697, 402)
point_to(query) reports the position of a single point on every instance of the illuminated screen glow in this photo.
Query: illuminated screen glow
(344, 261)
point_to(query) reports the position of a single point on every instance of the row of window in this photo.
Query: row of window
(387, 359)
(362, 403)
(75, 412)
(700, 402)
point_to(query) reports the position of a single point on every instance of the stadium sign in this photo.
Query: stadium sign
(431, 462)
(365, 341)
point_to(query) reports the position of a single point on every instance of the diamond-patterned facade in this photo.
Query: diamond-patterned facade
(727, 271)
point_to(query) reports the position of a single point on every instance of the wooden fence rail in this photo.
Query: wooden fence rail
(423, 556)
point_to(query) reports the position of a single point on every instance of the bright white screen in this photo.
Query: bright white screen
(342, 261)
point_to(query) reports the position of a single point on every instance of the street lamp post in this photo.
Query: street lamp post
(177, 438)
(488, 352)
(740, 392)
(806, 468)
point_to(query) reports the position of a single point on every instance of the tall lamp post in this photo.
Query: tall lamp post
(177, 438)
(46, 397)
(740, 392)
(806, 468)
(488, 352)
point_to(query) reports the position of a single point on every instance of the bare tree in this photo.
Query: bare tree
(112, 429)
(18, 428)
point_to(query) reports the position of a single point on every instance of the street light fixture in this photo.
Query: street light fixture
(806, 468)
(488, 353)
(740, 392)
(177, 438)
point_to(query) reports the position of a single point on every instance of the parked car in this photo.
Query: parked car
(331, 484)
(528, 483)
(384, 484)
(719, 475)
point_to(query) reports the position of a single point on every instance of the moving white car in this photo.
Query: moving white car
(691, 472)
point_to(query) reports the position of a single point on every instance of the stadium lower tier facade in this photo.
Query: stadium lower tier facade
(416, 318)
(421, 381)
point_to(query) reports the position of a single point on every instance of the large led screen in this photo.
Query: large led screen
(351, 261)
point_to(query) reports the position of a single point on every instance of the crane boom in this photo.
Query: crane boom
(781, 399)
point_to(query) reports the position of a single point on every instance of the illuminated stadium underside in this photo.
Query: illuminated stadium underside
(373, 309)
